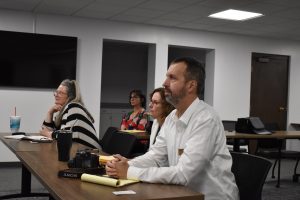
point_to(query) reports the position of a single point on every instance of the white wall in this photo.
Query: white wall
(231, 81)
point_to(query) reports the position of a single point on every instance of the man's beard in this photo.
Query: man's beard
(174, 99)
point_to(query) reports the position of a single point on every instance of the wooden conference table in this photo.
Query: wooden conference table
(280, 135)
(41, 160)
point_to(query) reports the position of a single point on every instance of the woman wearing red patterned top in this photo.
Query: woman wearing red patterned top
(138, 118)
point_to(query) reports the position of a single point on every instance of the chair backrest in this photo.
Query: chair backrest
(115, 142)
(122, 143)
(229, 125)
(105, 141)
(250, 174)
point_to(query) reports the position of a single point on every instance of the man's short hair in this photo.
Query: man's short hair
(194, 71)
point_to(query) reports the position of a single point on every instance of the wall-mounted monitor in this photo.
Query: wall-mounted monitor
(29, 60)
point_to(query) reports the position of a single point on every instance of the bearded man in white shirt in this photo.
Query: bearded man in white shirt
(191, 148)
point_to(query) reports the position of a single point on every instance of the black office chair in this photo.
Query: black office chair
(229, 125)
(296, 175)
(269, 148)
(250, 173)
(105, 141)
(116, 142)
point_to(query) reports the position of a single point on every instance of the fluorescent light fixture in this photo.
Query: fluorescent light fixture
(236, 15)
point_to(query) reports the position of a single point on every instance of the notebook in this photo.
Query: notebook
(33, 138)
(105, 180)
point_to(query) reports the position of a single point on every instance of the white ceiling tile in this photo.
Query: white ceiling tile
(283, 27)
(27, 5)
(250, 27)
(197, 10)
(161, 5)
(130, 18)
(284, 2)
(248, 32)
(225, 4)
(144, 12)
(268, 20)
(264, 8)
(210, 21)
(107, 7)
(94, 14)
(225, 28)
(66, 7)
(179, 17)
(194, 26)
(163, 22)
(119, 2)
(291, 13)
(55, 10)
(185, 2)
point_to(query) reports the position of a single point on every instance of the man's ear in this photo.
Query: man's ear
(192, 85)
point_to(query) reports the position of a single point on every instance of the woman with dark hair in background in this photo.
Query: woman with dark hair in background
(69, 111)
(138, 118)
(159, 110)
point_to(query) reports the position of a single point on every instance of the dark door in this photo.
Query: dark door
(269, 88)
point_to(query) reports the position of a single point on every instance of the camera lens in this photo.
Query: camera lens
(71, 163)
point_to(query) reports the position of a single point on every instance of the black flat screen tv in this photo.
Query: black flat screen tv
(29, 60)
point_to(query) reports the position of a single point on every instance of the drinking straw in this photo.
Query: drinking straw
(15, 111)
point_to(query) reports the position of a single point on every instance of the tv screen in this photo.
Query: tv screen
(36, 60)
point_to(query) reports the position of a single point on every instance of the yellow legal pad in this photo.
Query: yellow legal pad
(102, 180)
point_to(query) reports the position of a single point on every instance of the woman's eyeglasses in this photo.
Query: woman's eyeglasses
(154, 102)
(59, 93)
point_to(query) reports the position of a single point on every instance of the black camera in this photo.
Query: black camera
(84, 159)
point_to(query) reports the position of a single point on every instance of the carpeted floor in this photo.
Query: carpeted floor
(288, 189)
(10, 179)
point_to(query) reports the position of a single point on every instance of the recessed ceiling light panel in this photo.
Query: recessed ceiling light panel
(236, 15)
